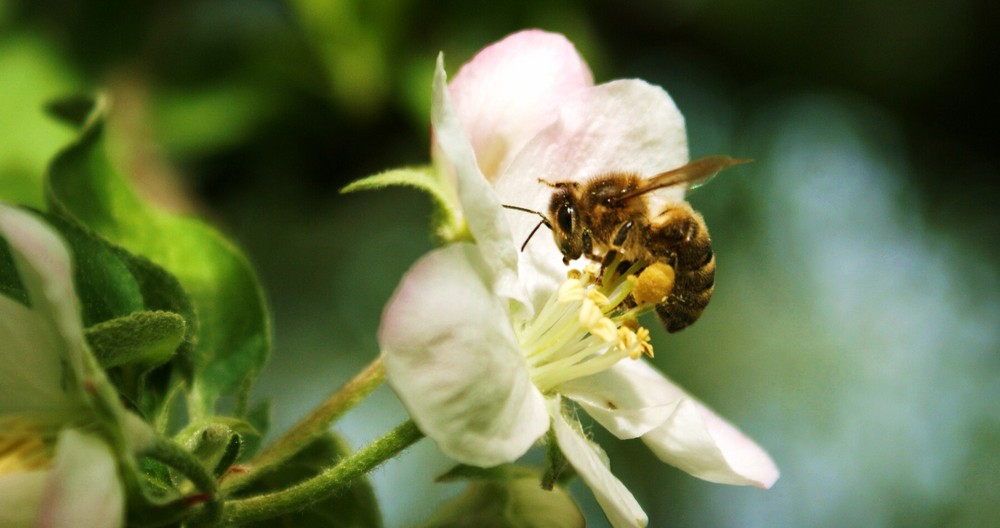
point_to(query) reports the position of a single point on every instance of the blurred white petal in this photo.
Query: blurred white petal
(591, 463)
(83, 488)
(452, 357)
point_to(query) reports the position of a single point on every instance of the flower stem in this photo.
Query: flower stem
(310, 427)
(321, 486)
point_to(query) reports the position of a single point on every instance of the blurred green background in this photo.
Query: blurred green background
(855, 328)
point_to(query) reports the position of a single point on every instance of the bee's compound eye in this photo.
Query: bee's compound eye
(564, 217)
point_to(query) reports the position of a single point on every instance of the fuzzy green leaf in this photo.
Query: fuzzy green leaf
(448, 221)
(233, 334)
(145, 338)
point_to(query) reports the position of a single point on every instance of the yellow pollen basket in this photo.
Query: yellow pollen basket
(654, 284)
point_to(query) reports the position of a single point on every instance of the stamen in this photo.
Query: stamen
(586, 327)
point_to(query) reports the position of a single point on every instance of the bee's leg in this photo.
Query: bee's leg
(622, 234)
(609, 258)
(587, 244)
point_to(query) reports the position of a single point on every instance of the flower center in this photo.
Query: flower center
(25, 445)
(586, 327)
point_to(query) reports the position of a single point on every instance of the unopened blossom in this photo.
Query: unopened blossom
(485, 344)
(55, 469)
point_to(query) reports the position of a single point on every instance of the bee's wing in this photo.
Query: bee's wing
(692, 175)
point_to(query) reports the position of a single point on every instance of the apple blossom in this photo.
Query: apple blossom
(55, 469)
(483, 344)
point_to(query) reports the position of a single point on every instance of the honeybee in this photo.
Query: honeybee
(609, 214)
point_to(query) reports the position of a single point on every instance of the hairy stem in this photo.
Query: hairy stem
(310, 427)
(325, 484)
(185, 463)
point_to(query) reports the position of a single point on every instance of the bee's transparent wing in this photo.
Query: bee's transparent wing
(693, 175)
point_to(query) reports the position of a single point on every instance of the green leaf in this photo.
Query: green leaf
(354, 507)
(233, 333)
(73, 110)
(144, 338)
(31, 72)
(514, 502)
(111, 282)
(104, 283)
(448, 221)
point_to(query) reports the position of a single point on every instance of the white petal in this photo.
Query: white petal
(83, 487)
(591, 463)
(621, 126)
(480, 204)
(21, 497)
(510, 90)
(38, 342)
(452, 358)
(629, 399)
(701, 443)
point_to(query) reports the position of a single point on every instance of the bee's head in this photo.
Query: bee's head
(564, 216)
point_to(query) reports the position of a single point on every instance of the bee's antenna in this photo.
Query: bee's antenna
(544, 221)
(532, 233)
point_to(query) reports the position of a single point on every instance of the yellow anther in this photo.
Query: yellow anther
(590, 314)
(599, 298)
(642, 334)
(571, 291)
(604, 329)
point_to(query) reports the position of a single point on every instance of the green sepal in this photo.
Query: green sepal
(229, 456)
(353, 507)
(233, 333)
(557, 469)
(216, 444)
(144, 338)
(506, 497)
(449, 224)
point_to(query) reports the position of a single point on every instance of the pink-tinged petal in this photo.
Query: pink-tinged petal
(701, 443)
(21, 497)
(510, 90)
(629, 399)
(83, 488)
(620, 126)
(480, 204)
(38, 341)
(453, 360)
(592, 464)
